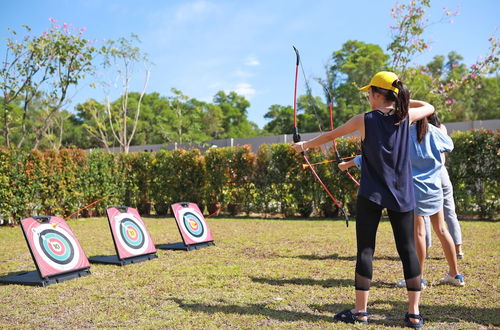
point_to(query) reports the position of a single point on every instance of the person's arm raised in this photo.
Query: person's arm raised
(419, 109)
(354, 124)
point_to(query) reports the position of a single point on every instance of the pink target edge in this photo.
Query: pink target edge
(44, 268)
(112, 212)
(177, 207)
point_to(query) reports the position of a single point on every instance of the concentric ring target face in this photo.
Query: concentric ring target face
(192, 225)
(131, 233)
(56, 247)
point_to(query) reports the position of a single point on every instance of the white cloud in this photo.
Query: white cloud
(193, 10)
(245, 89)
(242, 74)
(252, 61)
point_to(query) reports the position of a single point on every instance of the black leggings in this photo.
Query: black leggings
(367, 220)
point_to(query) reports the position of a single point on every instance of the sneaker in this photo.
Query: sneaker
(402, 284)
(460, 255)
(458, 280)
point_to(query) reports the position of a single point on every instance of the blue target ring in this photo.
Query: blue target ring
(131, 233)
(193, 224)
(56, 246)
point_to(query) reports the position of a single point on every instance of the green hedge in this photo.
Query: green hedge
(474, 172)
(232, 180)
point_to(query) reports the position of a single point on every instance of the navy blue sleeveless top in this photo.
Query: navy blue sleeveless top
(386, 177)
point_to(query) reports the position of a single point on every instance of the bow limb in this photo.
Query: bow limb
(296, 135)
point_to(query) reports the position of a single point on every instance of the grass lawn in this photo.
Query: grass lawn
(261, 273)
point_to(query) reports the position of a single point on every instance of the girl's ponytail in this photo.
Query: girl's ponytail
(402, 101)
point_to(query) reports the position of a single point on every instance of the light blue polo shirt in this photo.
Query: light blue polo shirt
(426, 164)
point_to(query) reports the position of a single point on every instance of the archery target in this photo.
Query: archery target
(129, 232)
(191, 223)
(55, 248)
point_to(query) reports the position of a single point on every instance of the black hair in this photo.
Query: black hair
(422, 129)
(401, 99)
(434, 120)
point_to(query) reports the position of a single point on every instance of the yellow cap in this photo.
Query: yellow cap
(382, 79)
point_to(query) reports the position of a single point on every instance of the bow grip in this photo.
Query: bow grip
(296, 135)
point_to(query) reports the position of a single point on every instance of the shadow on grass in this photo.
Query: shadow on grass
(394, 315)
(2, 275)
(336, 256)
(253, 309)
(328, 283)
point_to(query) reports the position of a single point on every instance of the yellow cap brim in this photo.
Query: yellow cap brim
(365, 88)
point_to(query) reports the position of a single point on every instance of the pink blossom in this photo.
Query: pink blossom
(53, 20)
(450, 101)
(479, 86)
(65, 25)
(473, 76)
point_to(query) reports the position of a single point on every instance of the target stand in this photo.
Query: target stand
(132, 241)
(55, 250)
(192, 226)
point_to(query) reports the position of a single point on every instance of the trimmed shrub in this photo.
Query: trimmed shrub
(233, 179)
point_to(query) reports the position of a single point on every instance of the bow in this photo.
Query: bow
(296, 139)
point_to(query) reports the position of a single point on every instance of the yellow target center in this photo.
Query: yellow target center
(193, 224)
(131, 232)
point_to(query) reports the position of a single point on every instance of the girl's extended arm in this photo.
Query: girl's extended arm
(354, 124)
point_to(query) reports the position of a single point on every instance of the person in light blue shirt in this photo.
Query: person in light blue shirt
(427, 142)
(426, 164)
(450, 216)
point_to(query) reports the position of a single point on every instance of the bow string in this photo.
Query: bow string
(296, 136)
(332, 127)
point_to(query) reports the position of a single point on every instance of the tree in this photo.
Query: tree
(120, 57)
(188, 119)
(234, 110)
(350, 68)
(94, 119)
(42, 67)
(281, 119)
(213, 120)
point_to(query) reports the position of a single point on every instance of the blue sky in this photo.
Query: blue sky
(203, 46)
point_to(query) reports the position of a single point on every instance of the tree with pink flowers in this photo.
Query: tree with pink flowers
(41, 68)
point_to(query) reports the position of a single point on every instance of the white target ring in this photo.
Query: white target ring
(131, 233)
(198, 234)
(54, 244)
